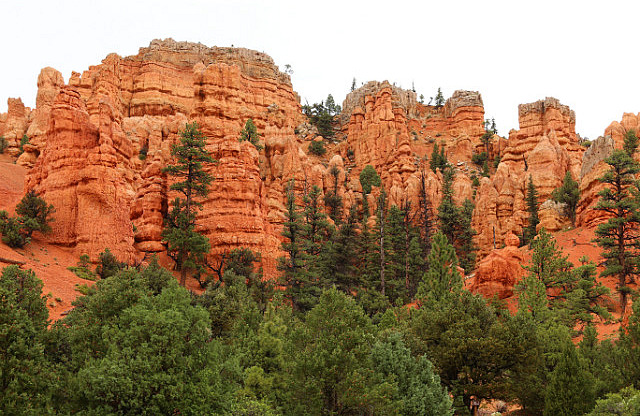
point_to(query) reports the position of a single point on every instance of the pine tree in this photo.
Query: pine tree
(455, 223)
(425, 215)
(531, 199)
(250, 134)
(434, 163)
(186, 246)
(381, 225)
(466, 248)
(568, 194)
(447, 211)
(443, 277)
(368, 178)
(571, 387)
(418, 386)
(553, 285)
(339, 261)
(439, 100)
(332, 200)
(618, 236)
(294, 276)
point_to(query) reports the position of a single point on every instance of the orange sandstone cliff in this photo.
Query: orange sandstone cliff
(98, 144)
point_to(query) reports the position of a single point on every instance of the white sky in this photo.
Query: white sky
(585, 53)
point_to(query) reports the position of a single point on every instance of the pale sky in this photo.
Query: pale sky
(585, 53)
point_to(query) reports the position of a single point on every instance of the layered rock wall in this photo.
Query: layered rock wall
(91, 160)
(543, 149)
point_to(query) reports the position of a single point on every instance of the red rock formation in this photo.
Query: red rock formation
(49, 83)
(544, 148)
(498, 272)
(142, 102)
(14, 123)
(389, 130)
(78, 172)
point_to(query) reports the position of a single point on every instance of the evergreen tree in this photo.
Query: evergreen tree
(368, 178)
(448, 214)
(316, 231)
(33, 214)
(294, 276)
(330, 367)
(250, 134)
(186, 246)
(405, 261)
(455, 223)
(418, 386)
(618, 236)
(26, 378)
(316, 228)
(332, 200)
(568, 194)
(434, 164)
(475, 348)
(159, 359)
(466, 249)
(425, 215)
(439, 100)
(382, 241)
(443, 277)
(571, 387)
(339, 261)
(553, 284)
(108, 264)
(531, 199)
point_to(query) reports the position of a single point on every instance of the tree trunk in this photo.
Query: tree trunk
(183, 277)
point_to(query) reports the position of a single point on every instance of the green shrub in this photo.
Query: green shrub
(11, 230)
(250, 134)
(83, 288)
(3, 144)
(479, 158)
(108, 264)
(350, 154)
(317, 148)
(143, 152)
(23, 141)
(82, 269)
(33, 215)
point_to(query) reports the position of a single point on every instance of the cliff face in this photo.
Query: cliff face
(88, 162)
(544, 148)
(98, 146)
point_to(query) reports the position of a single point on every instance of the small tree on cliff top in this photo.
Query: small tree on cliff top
(184, 244)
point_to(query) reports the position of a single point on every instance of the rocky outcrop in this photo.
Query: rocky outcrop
(14, 124)
(81, 174)
(111, 130)
(498, 272)
(49, 83)
(390, 131)
(544, 148)
(593, 167)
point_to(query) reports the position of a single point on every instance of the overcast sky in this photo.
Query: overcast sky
(585, 53)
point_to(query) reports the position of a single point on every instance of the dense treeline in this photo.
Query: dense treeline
(138, 343)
